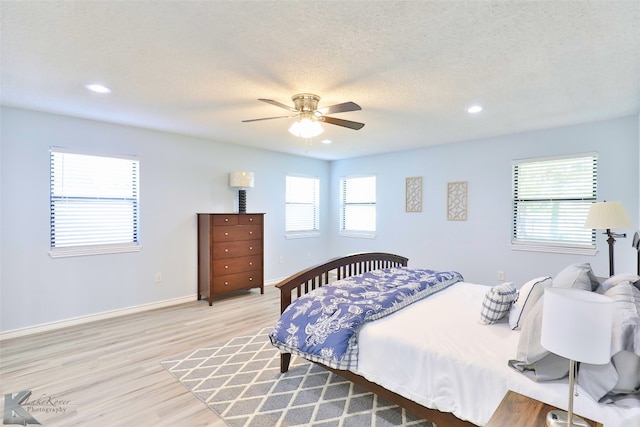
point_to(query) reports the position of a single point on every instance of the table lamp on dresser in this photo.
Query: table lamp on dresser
(241, 181)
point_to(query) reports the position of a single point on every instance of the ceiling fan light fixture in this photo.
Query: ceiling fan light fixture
(306, 128)
(307, 116)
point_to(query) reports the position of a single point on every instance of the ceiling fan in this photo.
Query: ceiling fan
(307, 114)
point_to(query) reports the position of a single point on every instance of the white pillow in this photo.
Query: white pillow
(619, 376)
(535, 361)
(497, 302)
(529, 295)
(576, 276)
(614, 280)
(627, 364)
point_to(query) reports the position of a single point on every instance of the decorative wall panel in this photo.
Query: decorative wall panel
(457, 201)
(414, 194)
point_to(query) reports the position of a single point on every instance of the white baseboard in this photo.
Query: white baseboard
(15, 333)
(274, 282)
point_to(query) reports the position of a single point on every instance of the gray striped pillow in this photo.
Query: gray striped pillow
(497, 302)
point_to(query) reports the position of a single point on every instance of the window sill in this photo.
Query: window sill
(554, 249)
(93, 250)
(361, 235)
(301, 235)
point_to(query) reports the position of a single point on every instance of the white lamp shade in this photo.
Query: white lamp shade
(241, 179)
(607, 215)
(577, 325)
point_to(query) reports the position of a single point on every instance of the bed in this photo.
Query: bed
(450, 384)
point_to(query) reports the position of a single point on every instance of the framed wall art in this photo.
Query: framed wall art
(457, 201)
(413, 201)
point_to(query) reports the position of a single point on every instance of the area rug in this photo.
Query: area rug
(240, 381)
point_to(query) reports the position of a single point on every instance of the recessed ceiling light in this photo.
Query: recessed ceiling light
(326, 141)
(474, 109)
(98, 88)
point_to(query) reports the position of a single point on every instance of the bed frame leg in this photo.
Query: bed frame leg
(285, 359)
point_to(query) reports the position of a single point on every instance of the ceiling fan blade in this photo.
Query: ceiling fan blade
(269, 118)
(340, 108)
(278, 104)
(340, 122)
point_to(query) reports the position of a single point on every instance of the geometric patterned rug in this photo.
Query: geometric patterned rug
(240, 381)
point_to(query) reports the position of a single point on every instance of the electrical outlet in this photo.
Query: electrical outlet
(501, 275)
(158, 277)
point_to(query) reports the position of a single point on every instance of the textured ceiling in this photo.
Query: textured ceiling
(198, 67)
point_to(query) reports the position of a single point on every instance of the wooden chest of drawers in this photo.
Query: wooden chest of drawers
(230, 253)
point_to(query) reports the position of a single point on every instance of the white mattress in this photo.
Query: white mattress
(437, 353)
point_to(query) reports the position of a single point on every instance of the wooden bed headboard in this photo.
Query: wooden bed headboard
(335, 269)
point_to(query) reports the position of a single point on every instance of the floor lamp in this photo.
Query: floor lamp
(605, 216)
(577, 325)
(636, 245)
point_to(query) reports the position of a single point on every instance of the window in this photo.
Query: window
(358, 206)
(302, 206)
(93, 204)
(551, 200)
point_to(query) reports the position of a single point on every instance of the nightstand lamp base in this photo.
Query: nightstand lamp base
(559, 419)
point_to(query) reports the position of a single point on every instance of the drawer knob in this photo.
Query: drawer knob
(250, 247)
(226, 250)
(250, 263)
(226, 220)
(226, 283)
(226, 266)
(250, 219)
(226, 233)
(250, 278)
(251, 232)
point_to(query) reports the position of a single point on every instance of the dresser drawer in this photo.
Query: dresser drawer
(224, 219)
(249, 219)
(236, 265)
(223, 250)
(234, 282)
(238, 232)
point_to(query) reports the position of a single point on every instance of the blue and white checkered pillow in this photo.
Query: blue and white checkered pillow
(497, 302)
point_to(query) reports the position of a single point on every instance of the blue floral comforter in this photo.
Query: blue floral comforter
(322, 325)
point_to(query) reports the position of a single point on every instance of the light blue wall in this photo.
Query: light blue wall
(182, 175)
(179, 177)
(480, 246)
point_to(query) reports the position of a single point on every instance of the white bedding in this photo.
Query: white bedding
(437, 353)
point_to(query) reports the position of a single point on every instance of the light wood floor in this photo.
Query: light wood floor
(109, 372)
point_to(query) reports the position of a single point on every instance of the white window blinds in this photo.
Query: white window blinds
(302, 201)
(93, 204)
(358, 205)
(551, 199)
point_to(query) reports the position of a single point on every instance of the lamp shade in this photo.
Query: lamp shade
(607, 215)
(241, 179)
(577, 325)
